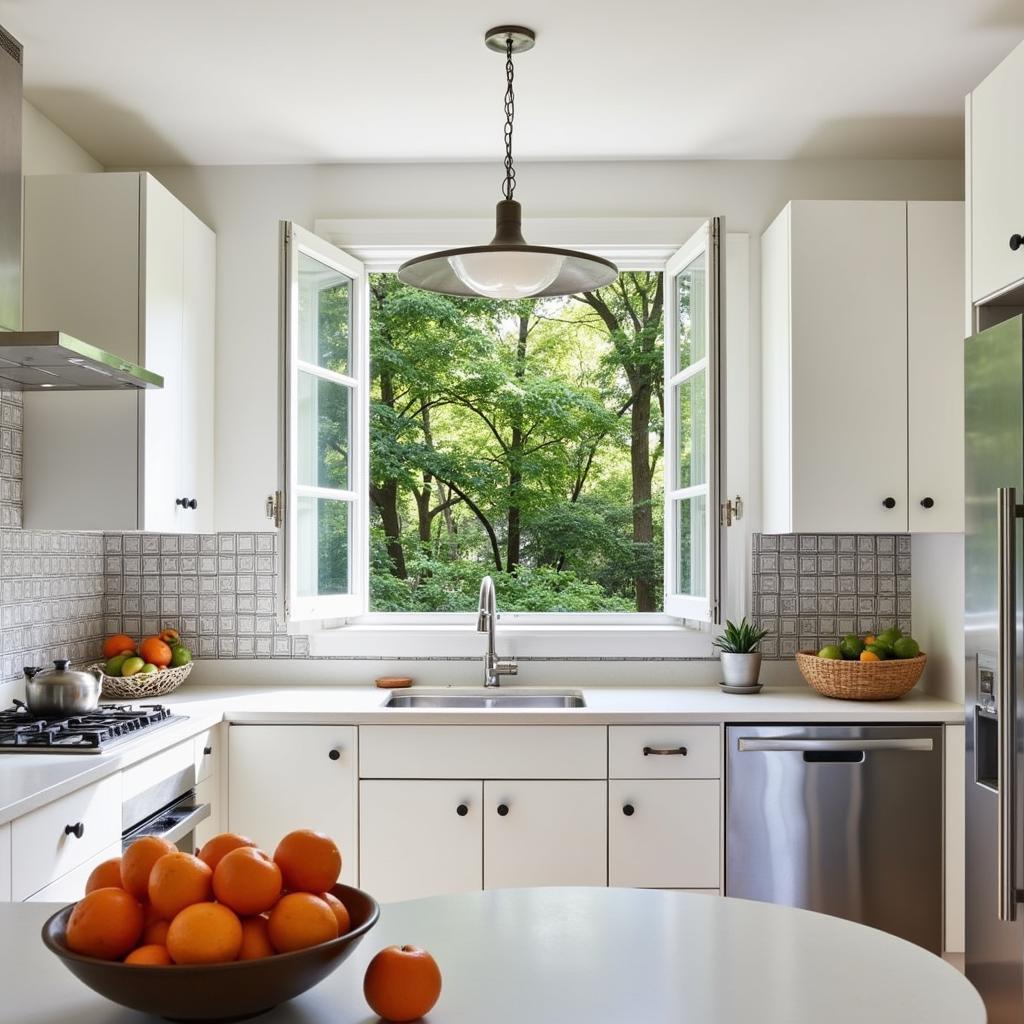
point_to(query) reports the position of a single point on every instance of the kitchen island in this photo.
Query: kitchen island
(605, 956)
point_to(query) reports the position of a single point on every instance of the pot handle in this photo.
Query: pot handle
(30, 670)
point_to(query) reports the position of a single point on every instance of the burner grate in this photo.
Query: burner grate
(22, 731)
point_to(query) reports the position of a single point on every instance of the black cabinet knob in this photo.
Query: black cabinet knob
(502, 809)
(1016, 241)
(889, 502)
(334, 754)
(207, 751)
(187, 502)
(628, 810)
(77, 830)
(927, 503)
(462, 810)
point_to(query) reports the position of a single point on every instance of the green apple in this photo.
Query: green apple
(132, 666)
(147, 669)
(115, 665)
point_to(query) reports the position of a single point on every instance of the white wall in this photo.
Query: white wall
(244, 205)
(46, 149)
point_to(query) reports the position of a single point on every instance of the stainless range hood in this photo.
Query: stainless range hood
(51, 361)
(40, 360)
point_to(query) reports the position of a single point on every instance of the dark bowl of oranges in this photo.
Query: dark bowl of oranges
(221, 936)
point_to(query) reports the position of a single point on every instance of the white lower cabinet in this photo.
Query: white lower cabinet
(420, 837)
(545, 833)
(286, 777)
(664, 833)
(5, 863)
(208, 792)
(71, 887)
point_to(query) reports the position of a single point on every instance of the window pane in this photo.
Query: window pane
(325, 315)
(692, 430)
(322, 543)
(323, 432)
(691, 526)
(690, 302)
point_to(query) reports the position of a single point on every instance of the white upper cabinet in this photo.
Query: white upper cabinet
(852, 323)
(995, 157)
(116, 260)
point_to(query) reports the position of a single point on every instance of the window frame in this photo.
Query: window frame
(705, 608)
(381, 246)
(303, 609)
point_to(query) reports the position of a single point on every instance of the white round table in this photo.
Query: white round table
(562, 956)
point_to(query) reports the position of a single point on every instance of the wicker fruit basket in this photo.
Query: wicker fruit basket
(144, 686)
(861, 680)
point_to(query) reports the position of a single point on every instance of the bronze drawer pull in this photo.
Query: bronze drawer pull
(665, 751)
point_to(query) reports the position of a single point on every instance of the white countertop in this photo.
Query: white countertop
(605, 956)
(28, 781)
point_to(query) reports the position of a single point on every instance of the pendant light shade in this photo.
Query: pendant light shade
(508, 267)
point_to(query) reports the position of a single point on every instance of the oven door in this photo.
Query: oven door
(176, 823)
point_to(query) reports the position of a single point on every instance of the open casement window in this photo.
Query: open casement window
(326, 374)
(694, 310)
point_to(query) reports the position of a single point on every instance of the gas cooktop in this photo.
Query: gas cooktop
(22, 732)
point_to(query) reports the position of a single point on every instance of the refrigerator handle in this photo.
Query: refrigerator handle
(1007, 512)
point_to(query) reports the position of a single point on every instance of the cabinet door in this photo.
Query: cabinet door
(664, 833)
(197, 375)
(286, 777)
(71, 887)
(420, 837)
(935, 359)
(848, 324)
(545, 833)
(5, 863)
(163, 244)
(996, 158)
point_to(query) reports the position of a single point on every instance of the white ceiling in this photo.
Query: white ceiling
(321, 81)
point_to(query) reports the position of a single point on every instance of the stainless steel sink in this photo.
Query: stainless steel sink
(491, 699)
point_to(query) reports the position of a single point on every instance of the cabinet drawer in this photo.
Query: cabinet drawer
(486, 751)
(664, 833)
(207, 753)
(627, 758)
(41, 850)
(71, 887)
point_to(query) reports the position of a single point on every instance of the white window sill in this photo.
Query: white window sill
(520, 640)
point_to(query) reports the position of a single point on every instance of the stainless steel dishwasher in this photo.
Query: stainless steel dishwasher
(843, 820)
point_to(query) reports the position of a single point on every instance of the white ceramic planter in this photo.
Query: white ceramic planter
(741, 669)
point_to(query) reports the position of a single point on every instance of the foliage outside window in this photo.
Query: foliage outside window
(524, 439)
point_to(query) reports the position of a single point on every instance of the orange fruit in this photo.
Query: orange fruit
(105, 876)
(340, 911)
(402, 983)
(170, 636)
(152, 955)
(216, 847)
(255, 939)
(309, 861)
(300, 920)
(138, 860)
(119, 643)
(155, 933)
(105, 923)
(155, 651)
(869, 656)
(204, 933)
(177, 881)
(247, 881)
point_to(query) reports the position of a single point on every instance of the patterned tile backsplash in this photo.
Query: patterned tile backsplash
(810, 589)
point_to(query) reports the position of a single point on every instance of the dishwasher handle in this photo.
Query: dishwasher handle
(757, 744)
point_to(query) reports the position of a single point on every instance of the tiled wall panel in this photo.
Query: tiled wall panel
(811, 589)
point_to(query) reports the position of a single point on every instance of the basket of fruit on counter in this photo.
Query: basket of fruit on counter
(152, 667)
(230, 932)
(871, 667)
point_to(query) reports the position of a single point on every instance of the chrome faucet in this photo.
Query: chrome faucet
(486, 622)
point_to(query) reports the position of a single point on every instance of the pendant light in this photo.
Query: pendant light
(507, 267)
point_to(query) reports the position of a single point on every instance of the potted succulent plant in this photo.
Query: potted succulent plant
(737, 646)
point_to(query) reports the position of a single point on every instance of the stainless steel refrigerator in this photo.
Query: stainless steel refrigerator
(994, 644)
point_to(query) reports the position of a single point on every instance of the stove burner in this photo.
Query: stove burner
(21, 731)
